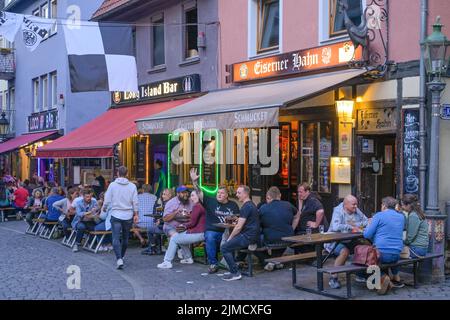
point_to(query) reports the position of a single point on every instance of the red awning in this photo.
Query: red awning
(24, 140)
(97, 138)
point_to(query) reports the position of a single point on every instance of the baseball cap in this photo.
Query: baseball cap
(182, 188)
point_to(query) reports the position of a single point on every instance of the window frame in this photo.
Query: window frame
(54, 89)
(186, 33)
(53, 15)
(44, 83)
(332, 18)
(157, 20)
(36, 95)
(262, 4)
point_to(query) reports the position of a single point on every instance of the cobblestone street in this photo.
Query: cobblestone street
(34, 268)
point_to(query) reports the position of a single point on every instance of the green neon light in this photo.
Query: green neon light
(169, 177)
(205, 188)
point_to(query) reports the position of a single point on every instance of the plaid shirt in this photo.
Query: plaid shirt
(146, 203)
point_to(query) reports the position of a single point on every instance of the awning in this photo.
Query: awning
(97, 138)
(24, 140)
(253, 106)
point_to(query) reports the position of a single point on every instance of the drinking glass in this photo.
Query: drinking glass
(322, 229)
(308, 232)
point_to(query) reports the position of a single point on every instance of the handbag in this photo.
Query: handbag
(366, 255)
(405, 254)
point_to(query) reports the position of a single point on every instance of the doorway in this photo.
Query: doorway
(377, 171)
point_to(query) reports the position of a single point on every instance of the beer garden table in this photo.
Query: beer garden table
(318, 239)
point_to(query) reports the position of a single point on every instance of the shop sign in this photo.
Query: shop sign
(42, 121)
(157, 90)
(445, 112)
(377, 120)
(296, 62)
(411, 151)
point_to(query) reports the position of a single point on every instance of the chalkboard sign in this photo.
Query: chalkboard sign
(116, 161)
(411, 151)
(141, 160)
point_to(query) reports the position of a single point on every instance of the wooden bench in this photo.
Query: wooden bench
(36, 227)
(352, 268)
(4, 212)
(69, 241)
(48, 228)
(94, 240)
(293, 258)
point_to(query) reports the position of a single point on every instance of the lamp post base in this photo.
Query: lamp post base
(434, 270)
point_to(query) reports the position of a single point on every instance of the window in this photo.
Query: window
(44, 11)
(158, 56)
(44, 93)
(36, 12)
(36, 95)
(337, 18)
(12, 99)
(54, 84)
(268, 25)
(54, 14)
(191, 30)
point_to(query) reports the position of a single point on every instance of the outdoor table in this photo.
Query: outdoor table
(318, 239)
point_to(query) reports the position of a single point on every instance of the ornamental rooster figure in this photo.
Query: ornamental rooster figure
(358, 34)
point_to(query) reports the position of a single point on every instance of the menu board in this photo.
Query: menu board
(141, 160)
(411, 151)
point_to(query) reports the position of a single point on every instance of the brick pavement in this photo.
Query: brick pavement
(34, 268)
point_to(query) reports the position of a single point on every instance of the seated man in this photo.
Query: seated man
(276, 218)
(386, 233)
(346, 218)
(52, 213)
(246, 232)
(84, 217)
(146, 202)
(218, 209)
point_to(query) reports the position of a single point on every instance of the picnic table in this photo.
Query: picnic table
(318, 239)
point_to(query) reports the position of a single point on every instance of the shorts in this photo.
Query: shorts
(349, 245)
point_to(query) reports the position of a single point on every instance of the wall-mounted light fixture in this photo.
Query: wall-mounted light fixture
(344, 109)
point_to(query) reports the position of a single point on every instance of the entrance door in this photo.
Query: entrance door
(377, 171)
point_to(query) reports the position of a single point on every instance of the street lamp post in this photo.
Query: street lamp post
(436, 63)
(4, 125)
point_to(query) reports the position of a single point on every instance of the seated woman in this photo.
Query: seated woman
(34, 206)
(64, 207)
(187, 234)
(5, 195)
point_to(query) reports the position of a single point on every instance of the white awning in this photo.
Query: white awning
(254, 106)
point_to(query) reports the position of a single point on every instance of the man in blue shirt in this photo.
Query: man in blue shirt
(386, 233)
(52, 213)
(86, 209)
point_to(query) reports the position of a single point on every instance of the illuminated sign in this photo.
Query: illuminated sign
(42, 121)
(295, 62)
(161, 89)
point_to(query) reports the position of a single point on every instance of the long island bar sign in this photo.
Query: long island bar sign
(157, 90)
(334, 55)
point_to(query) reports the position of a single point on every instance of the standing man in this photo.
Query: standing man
(217, 210)
(159, 178)
(121, 197)
(246, 232)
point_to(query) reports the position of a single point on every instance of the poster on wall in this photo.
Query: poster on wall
(411, 151)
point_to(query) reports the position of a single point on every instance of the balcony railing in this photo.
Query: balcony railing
(7, 64)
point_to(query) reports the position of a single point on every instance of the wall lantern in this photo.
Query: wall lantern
(4, 126)
(344, 109)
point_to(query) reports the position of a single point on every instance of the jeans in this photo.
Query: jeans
(82, 226)
(66, 224)
(415, 252)
(212, 243)
(228, 248)
(390, 258)
(154, 236)
(120, 228)
(30, 216)
(102, 227)
(183, 240)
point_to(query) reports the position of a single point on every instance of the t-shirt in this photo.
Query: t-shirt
(21, 197)
(310, 206)
(53, 213)
(159, 178)
(217, 212)
(251, 228)
(173, 205)
(276, 220)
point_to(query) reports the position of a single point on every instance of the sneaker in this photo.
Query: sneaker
(187, 261)
(231, 277)
(269, 266)
(110, 247)
(213, 268)
(360, 279)
(102, 249)
(180, 254)
(334, 283)
(75, 248)
(397, 284)
(279, 266)
(165, 265)
(119, 264)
